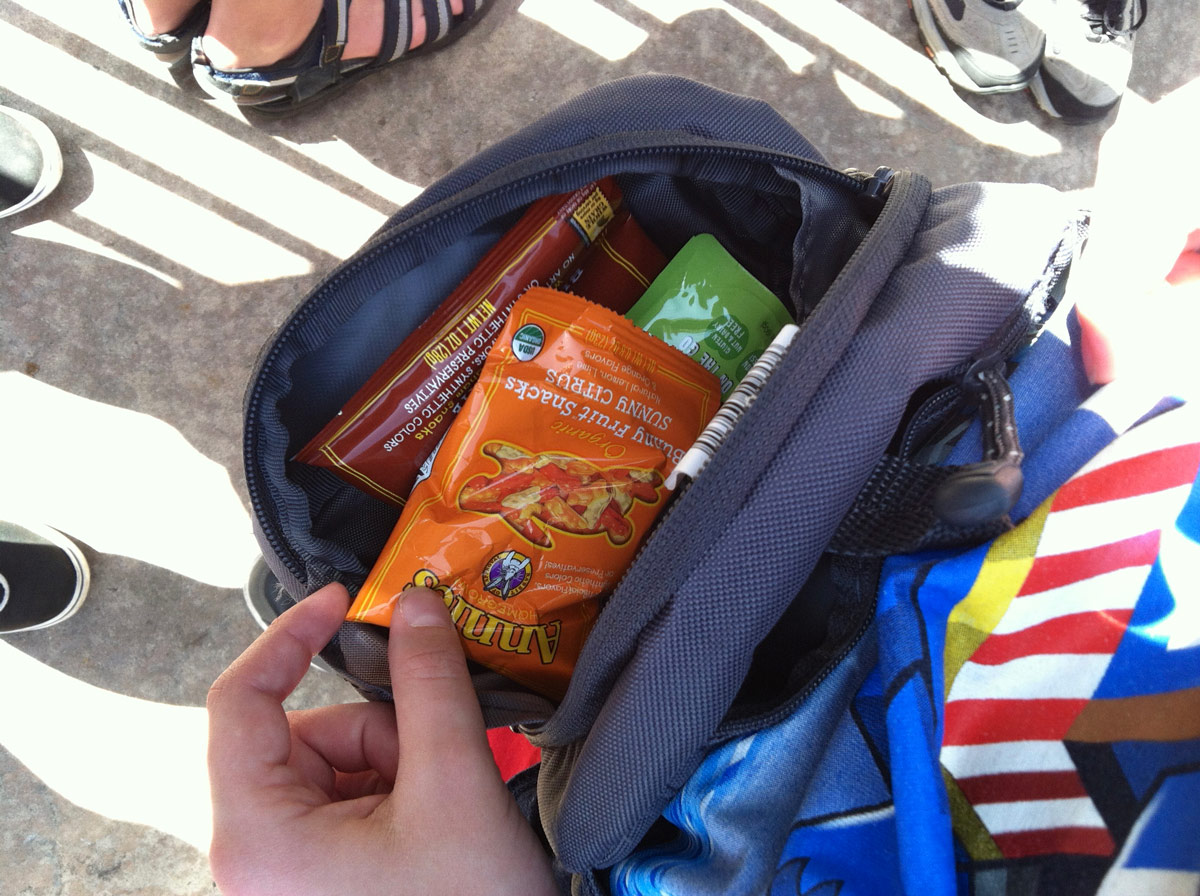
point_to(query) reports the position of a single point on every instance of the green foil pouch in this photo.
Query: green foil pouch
(712, 309)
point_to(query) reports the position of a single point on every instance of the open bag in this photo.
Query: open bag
(758, 585)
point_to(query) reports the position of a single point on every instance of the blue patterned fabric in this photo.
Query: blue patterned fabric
(1023, 717)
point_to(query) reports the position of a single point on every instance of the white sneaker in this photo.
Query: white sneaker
(984, 46)
(1089, 54)
(30, 161)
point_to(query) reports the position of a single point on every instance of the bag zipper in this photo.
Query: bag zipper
(1021, 331)
(873, 187)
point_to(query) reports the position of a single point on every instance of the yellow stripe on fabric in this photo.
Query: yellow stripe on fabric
(1001, 576)
(969, 828)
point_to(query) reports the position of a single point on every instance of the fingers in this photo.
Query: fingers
(1095, 350)
(437, 711)
(1146, 337)
(1187, 266)
(248, 730)
(351, 738)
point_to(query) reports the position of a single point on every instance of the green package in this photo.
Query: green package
(712, 309)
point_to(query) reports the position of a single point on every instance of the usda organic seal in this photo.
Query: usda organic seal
(528, 341)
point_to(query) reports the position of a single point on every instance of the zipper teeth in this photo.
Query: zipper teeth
(387, 233)
(282, 551)
(379, 241)
(1018, 332)
(933, 412)
(809, 165)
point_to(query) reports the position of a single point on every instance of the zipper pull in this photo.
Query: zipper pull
(879, 184)
(986, 491)
(875, 187)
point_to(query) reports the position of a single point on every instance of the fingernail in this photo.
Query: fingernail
(423, 608)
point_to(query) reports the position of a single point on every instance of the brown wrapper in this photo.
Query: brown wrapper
(393, 423)
(620, 267)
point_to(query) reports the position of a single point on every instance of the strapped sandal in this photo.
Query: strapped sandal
(170, 45)
(316, 71)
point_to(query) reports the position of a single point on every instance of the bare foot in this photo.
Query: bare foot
(254, 35)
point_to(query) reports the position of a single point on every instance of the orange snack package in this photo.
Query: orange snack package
(545, 485)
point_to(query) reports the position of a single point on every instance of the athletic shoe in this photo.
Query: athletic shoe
(1089, 53)
(266, 599)
(984, 46)
(264, 596)
(30, 161)
(43, 577)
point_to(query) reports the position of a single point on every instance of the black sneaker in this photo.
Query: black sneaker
(43, 577)
(1089, 54)
(30, 161)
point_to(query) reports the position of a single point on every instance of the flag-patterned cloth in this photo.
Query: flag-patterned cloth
(1040, 668)
(1020, 718)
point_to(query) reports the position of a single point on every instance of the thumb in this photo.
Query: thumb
(437, 710)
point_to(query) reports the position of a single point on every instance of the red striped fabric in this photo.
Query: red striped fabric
(1141, 475)
(1098, 632)
(1058, 570)
(1009, 787)
(1071, 841)
(1064, 828)
(997, 721)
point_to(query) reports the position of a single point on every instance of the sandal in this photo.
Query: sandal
(170, 45)
(317, 71)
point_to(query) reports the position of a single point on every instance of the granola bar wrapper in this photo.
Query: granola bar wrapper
(621, 266)
(379, 440)
(545, 485)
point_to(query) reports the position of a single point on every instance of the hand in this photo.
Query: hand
(1148, 333)
(1138, 281)
(361, 798)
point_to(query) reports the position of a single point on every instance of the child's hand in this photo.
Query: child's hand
(1150, 332)
(362, 798)
(1145, 235)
